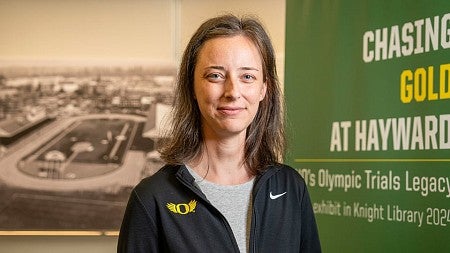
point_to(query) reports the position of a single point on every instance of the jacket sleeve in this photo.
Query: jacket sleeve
(138, 232)
(310, 238)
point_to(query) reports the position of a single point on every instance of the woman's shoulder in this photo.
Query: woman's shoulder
(157, 182)
(286, 172)
(284, 169)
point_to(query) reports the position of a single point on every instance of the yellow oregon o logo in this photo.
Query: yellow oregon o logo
(183, 210)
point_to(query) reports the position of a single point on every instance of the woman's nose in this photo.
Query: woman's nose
(232, 89)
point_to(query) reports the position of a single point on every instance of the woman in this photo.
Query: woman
(223, 188)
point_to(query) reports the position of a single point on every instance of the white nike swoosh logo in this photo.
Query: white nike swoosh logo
(276, 196)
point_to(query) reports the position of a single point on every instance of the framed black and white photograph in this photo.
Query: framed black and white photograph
(74, 140)
(84, 89)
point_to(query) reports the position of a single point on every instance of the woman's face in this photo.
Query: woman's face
(228, 85)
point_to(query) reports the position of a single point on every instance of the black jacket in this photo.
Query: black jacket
(168, 213)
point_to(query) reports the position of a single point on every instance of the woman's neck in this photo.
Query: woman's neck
(222, 161)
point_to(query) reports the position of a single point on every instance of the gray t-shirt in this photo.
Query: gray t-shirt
(234, 202)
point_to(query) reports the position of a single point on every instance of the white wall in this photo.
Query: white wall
(85, 30)
(111, 30)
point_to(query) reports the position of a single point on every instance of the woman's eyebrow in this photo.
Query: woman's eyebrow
(249, 68)
(223, 68)
(215, 67)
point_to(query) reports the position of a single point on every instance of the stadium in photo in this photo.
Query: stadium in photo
(89, 147)
(81, 152)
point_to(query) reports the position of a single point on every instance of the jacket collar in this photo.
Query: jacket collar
(184, 176)
(264, 176)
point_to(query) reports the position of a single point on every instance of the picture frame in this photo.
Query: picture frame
(74, 140)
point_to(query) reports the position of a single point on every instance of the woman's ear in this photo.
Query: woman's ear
(263, 91)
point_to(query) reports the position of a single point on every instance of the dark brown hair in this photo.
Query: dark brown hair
(265, 140)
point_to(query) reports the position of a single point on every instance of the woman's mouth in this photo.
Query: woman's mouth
(230, 110)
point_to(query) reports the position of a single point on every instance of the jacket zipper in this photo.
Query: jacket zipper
(252, 247)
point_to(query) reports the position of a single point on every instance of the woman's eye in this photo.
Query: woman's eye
(214, 76)
(248, 78)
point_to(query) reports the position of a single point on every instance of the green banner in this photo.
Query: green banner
(367, 88)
